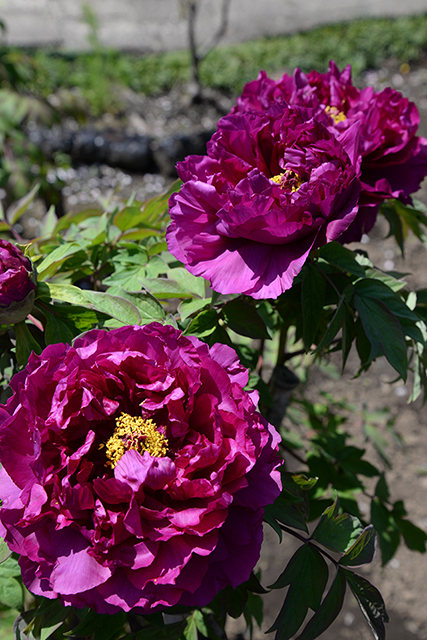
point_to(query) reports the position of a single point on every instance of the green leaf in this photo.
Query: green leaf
(395, 284)
(54, 615)
(302, 481)
(187, 307)
(148, 306)
(413, 218)
(204, 324)
(348, 333)
(150, 214)
(103, 625)
(188, 282)
(370, 602)
(201, 625)
(18, 208)
(328, 610)
(65, 292)
(49, 265)
(190, 631)
(128, 277)
(415, 538)
(128, 218)
(253, 610)
(363, 346)
(339, 256)
(378, 440)
(378, 290)
(76, 217)
(395, 222)
(337, 532)
(110, 625)
(385, 526)
(113, 306)
(244, 319)
(312, 301)
(25, 343)
(172, 631)
(381, 489)
(287, 513)
(140, 234)
(235, 600)
(11, 593)
(22, 627)
(333, 327)
(254, 585)
(9, 569)
(307, 575)
(362, 551)
(384, 332)
(291, 508)
(165, 288)
(64, 323)
(5, 552)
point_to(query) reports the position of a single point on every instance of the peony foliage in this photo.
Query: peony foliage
(148, 431)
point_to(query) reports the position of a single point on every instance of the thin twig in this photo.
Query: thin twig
(220, 32)
(300, 352)
(293, 454)
(192, 13)
(197, 56)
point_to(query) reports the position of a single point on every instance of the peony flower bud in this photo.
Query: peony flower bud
(17, 284)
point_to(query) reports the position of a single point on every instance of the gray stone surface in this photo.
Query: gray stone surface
(158, 25)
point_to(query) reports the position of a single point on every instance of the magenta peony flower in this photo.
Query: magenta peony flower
(17, 284)
(273, 186)
(394, 158)
(135, 470)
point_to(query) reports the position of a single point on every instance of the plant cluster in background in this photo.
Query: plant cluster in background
(365, 44)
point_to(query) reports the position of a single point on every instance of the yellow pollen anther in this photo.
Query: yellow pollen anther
(335, 114)
(288, 180)
(137, 434)
(277, 179)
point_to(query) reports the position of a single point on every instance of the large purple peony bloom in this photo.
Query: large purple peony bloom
(394, 158)
(273, 186)
(135, 470)
(17, 284)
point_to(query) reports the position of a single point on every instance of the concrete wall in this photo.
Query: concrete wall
(158, 25)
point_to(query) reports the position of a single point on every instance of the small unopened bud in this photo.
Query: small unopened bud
(17, 284)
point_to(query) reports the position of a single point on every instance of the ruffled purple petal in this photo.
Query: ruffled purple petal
(152, 531)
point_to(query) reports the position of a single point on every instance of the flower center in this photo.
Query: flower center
(335, 114)
(288, 180)
(137, 434)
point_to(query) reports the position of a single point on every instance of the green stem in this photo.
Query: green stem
(282, 346)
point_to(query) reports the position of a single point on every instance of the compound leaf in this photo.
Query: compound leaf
(370, 602)
(328, 610)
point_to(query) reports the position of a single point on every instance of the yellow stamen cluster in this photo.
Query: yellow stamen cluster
(134, 433)
(335, 114)
(288, 180)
